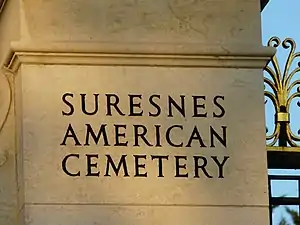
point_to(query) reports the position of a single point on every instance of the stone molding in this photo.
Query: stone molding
(2, 3)
(143, 54)
(5, 106)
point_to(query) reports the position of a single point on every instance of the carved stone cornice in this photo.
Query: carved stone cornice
(97, 53)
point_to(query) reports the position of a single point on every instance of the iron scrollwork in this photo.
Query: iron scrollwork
(281, 88)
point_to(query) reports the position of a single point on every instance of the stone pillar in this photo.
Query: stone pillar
(132, 112)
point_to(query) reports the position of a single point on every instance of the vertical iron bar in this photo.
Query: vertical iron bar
(270, 196)
(298, 196)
